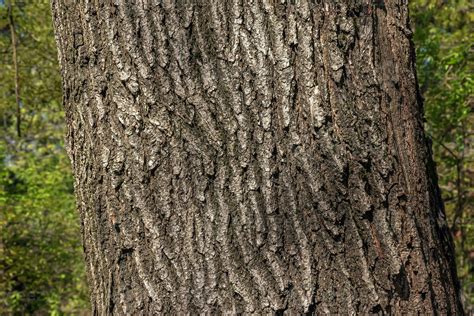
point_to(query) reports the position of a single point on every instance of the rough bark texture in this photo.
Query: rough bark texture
(252, 156)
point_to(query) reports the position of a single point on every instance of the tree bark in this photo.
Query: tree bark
(252, 156)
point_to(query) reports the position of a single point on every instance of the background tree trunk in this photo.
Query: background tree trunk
(252, 156)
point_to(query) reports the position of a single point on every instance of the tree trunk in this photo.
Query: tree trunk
(252, 156)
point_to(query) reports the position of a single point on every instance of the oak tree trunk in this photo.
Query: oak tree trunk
(252, 156)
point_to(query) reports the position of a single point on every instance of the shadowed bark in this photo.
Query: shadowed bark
(252, 156)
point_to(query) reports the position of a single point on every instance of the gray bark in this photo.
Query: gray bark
(252, 156)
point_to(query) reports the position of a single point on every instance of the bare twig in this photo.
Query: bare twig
(15, 65)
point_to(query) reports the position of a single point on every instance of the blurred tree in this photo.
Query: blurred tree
(444, 36)
(41, 266)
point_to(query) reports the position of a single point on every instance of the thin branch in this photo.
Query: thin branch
(15, 65)
(448, 150)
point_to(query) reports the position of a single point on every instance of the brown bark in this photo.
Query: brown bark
(252, 156)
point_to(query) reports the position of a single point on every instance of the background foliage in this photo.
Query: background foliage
(444, 38)
(41, 267)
